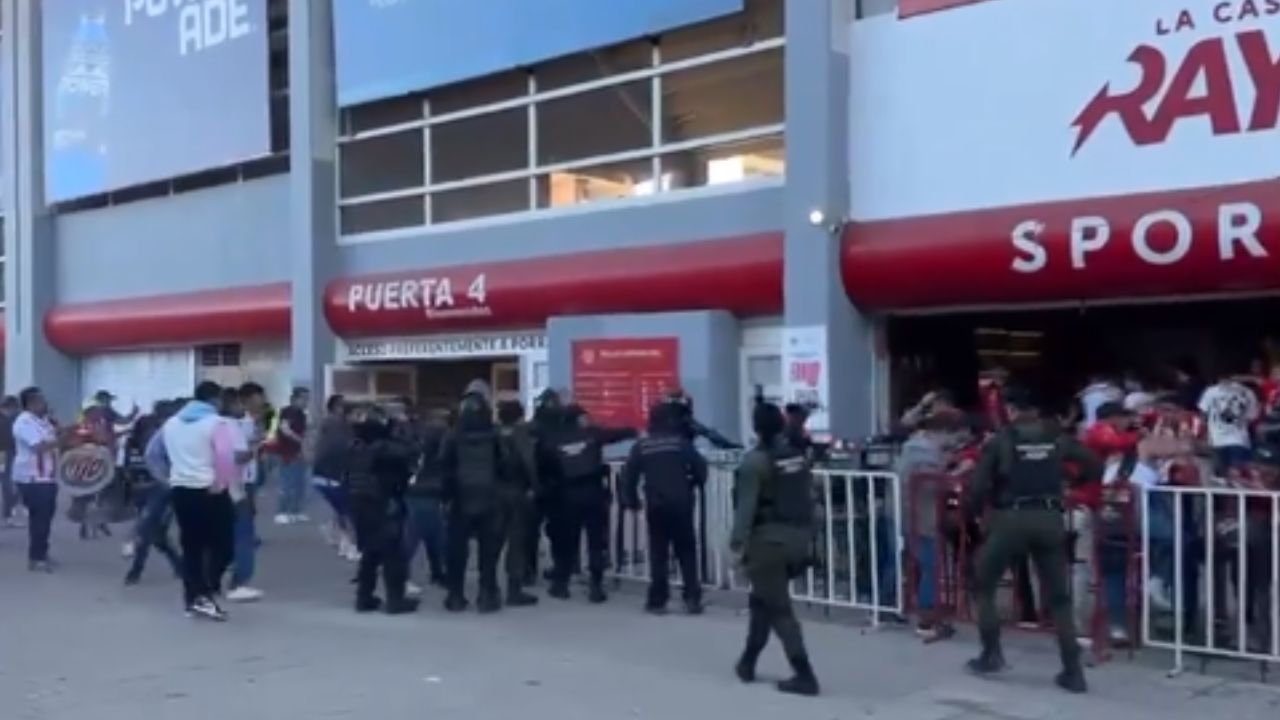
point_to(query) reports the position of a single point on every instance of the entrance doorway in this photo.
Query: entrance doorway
(435, 384)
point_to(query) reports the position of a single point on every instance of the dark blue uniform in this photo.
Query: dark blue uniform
(672, 471)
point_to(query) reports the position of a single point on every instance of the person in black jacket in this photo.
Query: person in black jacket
(572, 464)
(377, 472)
(519, 485)
(672, 471)
(682, 405)
(471, 467)
(548, 414)
(425, 498)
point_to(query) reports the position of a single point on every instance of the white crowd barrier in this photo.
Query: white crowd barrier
(1211, 572)
(857, 547)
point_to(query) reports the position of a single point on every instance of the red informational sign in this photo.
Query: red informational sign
(618, 380)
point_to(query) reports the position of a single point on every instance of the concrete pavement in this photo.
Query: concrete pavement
(79, 645)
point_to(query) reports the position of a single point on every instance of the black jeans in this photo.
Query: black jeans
(41, 499)
(671, 530)
(487, 529)
(206, 523)
(153, 531)
(583, 509)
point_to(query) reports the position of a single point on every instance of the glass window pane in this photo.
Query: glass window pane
(595, 183)
(480, 145)
(382, 113)
(764, 370)
(480, 201)
(594, 65)
(383, 215)
(476, 93)
(761, 20)
(727, 163)
(600, 122)
(722, 97)
(868, 8)
(381, 164)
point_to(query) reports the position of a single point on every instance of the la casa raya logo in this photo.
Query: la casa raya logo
(1203, 83)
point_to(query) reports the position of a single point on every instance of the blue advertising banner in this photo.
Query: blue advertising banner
(392, 47)
(142, 90)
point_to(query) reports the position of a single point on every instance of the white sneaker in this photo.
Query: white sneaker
(299, 518)
(347, 550)
(127, 549)
(412, 590)
(207, 609)
(244, 594)
(283, 519)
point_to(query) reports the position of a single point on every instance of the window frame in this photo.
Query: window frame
(532, 171)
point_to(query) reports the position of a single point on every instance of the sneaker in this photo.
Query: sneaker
(282, 519)
(207, 609)
(127, 550)
(299, 518)
(244, 594)
(412, 590)
(40, 566)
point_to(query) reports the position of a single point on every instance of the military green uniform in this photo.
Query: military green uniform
(773, 531)
(1022, 475)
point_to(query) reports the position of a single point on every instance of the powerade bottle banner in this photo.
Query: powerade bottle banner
(77, 149)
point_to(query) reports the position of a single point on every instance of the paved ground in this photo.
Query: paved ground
(79, 645)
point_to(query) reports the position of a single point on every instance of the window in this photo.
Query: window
(701, 105)
(868, 8)
(219, 355)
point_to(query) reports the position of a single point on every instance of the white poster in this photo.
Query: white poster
(805, 373)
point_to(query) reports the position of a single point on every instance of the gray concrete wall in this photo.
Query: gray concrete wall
(698, 216)
(709, 344)
(218, 237)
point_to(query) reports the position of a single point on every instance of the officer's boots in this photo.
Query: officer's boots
(397, 602)
(804, 682)
(596, 594)
(489, 601)
(517, 597)
(1071, 678)
(990, 661)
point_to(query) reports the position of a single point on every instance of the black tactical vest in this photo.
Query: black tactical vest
(1031, 465)
(361, 479)
(786, 496)
(581, 457)
(477, 463)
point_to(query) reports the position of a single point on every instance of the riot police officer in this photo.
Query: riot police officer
(573, 466)
(682, 404)
(1022, 476)
(548, 415)
(672, 471)
(518, 488)
(471, 465)
(772, 535)
(376, 475)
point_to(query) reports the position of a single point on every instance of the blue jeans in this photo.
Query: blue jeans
(336, 496)
(244, 554)
(426, 528)
(152, 529)
(293, 487)
(926, 555)
(1230, 456)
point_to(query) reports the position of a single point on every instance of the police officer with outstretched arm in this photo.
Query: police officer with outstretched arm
(772, 535)
(376, 474)
(1022, 476)
(572, 464)
(672, 471)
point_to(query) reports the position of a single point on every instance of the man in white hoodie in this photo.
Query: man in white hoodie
(201, 449)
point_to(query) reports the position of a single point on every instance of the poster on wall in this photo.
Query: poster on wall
(805, 373)
(142, 90)
(617, 380)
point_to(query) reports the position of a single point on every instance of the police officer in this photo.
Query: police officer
(573, 465)
(683, 406)
(672, 471)
(548, 415)
(376, 474)
(1022, 476)
(518, 488)
(772, 535)
(471, 466)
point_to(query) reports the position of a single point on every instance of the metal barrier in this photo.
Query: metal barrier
(1201, 542)
(857, 549)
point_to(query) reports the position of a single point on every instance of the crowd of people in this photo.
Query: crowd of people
(397, 481)
(1184, 432)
